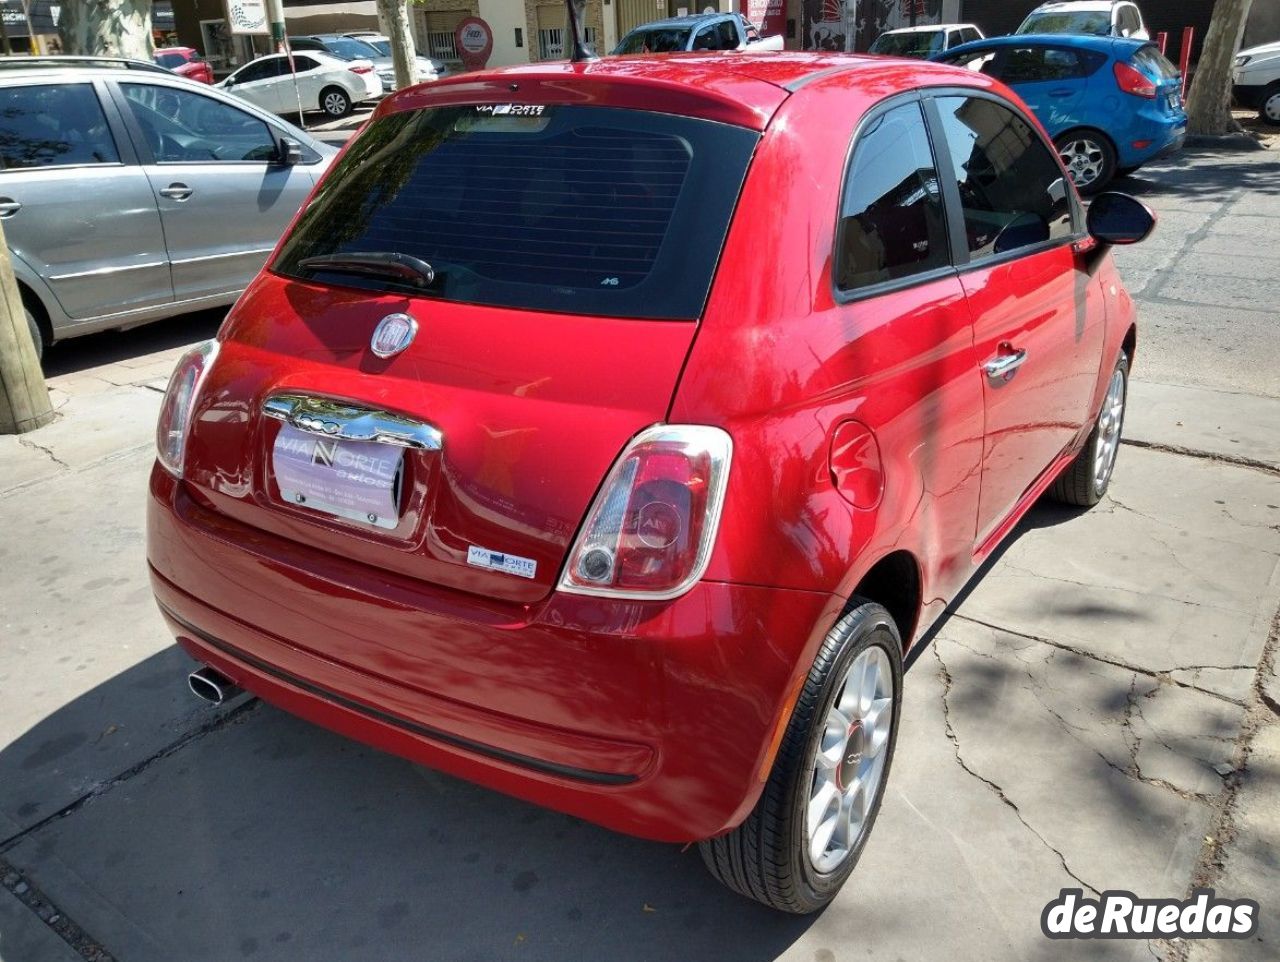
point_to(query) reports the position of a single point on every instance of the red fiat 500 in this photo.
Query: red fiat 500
(605, 433)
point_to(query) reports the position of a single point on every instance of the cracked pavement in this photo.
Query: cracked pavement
(1100, 710)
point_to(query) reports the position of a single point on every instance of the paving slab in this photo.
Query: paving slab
(24, 936)
(93, 683)
(1228, 424)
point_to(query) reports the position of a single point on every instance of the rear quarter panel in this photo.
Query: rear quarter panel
(779, 363)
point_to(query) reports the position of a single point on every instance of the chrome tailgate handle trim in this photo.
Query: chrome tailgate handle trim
(338, 419)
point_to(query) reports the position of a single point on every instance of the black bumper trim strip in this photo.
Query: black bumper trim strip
(478, 748)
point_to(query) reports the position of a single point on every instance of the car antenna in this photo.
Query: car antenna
(581, 50)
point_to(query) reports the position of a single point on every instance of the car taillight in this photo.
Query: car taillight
(179, 399)
(1134, 81)
(650, 531)
(365, 69)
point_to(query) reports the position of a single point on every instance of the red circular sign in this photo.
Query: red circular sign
(475, 42)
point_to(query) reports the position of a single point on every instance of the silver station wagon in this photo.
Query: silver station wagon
(129, 195)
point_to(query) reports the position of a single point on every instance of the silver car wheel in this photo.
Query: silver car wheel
(1271, 108)
(335, 103)
(849, 761)
(1084, 159)
(1110, 421)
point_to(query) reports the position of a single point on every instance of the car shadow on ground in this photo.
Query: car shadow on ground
(110, 347)
(1177, 177)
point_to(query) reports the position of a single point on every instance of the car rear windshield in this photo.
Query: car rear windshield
(1155, 64)
(1097, 24)
(655, 40)
(920, 43)
(170, 60)
(574, 209)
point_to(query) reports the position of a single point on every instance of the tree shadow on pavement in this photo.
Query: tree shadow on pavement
(1189, 175)
(110, 347)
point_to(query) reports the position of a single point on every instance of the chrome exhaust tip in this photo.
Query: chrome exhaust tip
(212, 686)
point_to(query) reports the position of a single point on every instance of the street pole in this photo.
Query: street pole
(31, 30)
(24, 398)
(275, 16)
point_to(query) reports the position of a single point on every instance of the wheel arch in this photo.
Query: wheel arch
(1130, 343)
(893, 582)
(32, 302)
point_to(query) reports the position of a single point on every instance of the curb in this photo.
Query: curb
(1236, 141)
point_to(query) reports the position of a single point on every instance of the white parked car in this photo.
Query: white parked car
(924, 41)
(325, 83)
(1255, 81)
(429, 68)
(1098, 18)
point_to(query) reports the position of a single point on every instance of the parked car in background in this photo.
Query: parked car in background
(924, 42)
(1255, 81)
(131, 195)
(1096, 18)
(351, 49)
(429, 68)
(324, 83)
(1110, 105)
(185, 62)
(706, 31)
(824, 328)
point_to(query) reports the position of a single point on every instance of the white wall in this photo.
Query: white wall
(503, 17)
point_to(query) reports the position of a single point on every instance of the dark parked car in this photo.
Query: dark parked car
(607, 436)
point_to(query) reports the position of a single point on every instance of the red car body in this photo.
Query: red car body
(185, 62)
(871, 456)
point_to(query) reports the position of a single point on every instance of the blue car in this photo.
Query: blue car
(1110, 103)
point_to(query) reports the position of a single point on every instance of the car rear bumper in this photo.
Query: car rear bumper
(655, 719)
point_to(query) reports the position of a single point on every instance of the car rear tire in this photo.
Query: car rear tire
(335, 102)
(1089, 158)
(831, 770)
(1086, 479)
(1269, 111)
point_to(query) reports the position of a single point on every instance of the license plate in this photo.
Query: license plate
(356, 480)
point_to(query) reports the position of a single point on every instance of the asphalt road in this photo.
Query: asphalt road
(1095, 714)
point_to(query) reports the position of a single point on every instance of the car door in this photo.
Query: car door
(76, 206)
(224, 200)
(897, 288)
(1037, 309)
(1050, 80)
(309, 74)
(262, 83)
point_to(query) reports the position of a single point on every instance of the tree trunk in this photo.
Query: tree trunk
(24, 399)
(107, 28)
(394, 17)
(1209, 102)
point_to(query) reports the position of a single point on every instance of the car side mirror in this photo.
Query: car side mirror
(288, 152)
(1116, 218)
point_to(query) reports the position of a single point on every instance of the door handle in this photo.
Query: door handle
(176, 191)
(9, 207)
(1004, 365)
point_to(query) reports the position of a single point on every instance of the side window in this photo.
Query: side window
(1012, 189)
(891, 221)
(183, 126)
(728, 35)
(970, 34)
(263, 69)
(982, 61)
(1040, 64)
(303, 64)
(706, 39)
(51, 125)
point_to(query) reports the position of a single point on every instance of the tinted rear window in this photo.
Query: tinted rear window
(921, 44)
(655, 40)
(586, 210)
(1090, 23)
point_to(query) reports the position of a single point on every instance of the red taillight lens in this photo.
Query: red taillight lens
(361, 69)
(1134, 81)
(179, 400)
(650, 531)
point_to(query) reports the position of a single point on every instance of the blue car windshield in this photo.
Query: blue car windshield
(1097, 24)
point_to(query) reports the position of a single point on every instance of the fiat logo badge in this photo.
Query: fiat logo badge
(393, 334)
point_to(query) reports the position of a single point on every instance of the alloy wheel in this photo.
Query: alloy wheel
(849, 761)
(1084, 159)
(335, 104)
(1109, 423)
(1271, 108)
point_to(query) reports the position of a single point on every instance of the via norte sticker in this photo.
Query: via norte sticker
(511, 110)
(499, 561)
